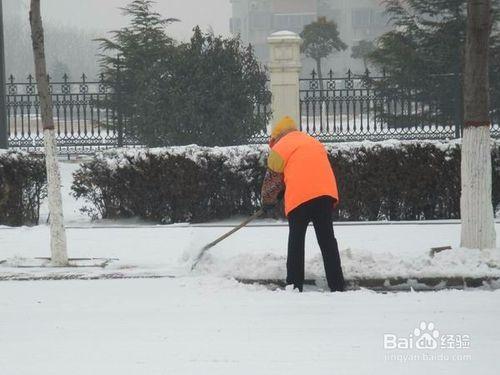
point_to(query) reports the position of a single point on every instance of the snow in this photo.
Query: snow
(235, 155)
(216, 326)
(368, 250)
(284, 34)
(257, 252)
(12, 154)
(207, 323)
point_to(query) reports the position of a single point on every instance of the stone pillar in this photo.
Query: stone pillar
(285, 67)
(4, 141)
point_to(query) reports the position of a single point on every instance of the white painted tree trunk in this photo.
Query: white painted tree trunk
(58, 247)
(478, 228)
(59, 254)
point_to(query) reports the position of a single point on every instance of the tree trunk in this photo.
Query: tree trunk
(59, 254)
(478, 228)
(320, 75)
(321, 88)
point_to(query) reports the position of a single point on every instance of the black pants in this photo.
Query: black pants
(319, 211)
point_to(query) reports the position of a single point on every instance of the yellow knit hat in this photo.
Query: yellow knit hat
(286, 123)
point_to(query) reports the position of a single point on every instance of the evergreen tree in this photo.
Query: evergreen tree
(137, 64)
(320, 39)
(216, 87)
(424, 59)
(200, 92)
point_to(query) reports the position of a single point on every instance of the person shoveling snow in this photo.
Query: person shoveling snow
(298, 165)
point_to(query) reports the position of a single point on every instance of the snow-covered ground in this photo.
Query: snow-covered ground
(368, 250)
(207, 323)
(203, 325)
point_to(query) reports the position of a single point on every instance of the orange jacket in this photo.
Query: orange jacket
(307, 171)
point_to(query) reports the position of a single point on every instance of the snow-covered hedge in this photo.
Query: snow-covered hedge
(389, 180)
(173, 184)
(22, 188)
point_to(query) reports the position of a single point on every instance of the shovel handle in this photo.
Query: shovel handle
(223, 237)
(234, 230)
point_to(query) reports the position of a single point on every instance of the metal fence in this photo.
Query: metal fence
(83, 119)
(349, 108)
(363, 107)
(82, 122)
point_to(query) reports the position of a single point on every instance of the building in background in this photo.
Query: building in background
(255, 20)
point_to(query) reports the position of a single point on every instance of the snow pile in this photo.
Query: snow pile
(451, 263)
(256, 253)
(362, 264)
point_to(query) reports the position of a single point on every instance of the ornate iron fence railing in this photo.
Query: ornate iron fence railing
(82, 122)
(349, 108)
(363, 107)
(86, 116)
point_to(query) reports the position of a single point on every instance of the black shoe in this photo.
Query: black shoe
(338, 288)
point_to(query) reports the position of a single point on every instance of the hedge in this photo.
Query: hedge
(390, 180)
(171, 185)
(22, 188)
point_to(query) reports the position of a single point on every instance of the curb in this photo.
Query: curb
(399, 284)
(378, 285)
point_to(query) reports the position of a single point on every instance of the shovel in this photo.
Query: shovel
(223, 237)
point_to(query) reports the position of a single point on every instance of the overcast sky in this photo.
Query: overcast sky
(103, 14)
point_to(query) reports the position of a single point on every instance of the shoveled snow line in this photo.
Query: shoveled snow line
(378, 285)
(271, 225)
(63, 277)
(264, 225)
